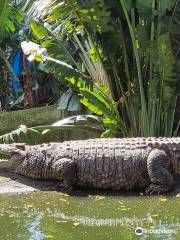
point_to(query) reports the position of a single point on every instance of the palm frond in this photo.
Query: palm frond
(89, 123)
(10, 17)
(16, 135)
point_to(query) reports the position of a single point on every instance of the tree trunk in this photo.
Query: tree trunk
(28, 84)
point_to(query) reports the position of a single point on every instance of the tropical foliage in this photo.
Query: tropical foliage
(125, 45)
(10, 18)
(131, 47)
(13, 87)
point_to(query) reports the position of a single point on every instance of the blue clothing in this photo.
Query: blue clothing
(17, 66)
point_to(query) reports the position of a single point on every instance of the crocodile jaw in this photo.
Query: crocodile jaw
(9, 150)
(11, 155)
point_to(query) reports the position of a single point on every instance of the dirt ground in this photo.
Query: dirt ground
(13, 183)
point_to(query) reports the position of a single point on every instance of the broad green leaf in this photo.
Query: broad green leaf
(39, 30)
(92, 107)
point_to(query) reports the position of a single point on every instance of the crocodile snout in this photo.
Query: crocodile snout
(7, 150)
(11, 155)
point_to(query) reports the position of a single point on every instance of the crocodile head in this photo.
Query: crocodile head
(11, 155)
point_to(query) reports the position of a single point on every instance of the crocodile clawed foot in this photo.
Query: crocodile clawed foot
(48, 188)
(155, 189)
(61, 187)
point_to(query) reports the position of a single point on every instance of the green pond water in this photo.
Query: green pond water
(51, 215)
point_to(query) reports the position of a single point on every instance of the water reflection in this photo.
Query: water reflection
(34, 229)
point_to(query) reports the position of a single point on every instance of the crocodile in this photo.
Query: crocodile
(112, 163)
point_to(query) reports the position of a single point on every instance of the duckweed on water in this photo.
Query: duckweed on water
(41, 216)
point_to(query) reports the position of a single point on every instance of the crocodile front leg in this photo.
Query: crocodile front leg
(158, 165)
(64, 170)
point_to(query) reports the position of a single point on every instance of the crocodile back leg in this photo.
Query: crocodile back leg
(158, 163)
